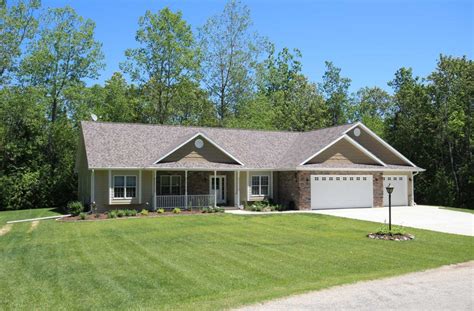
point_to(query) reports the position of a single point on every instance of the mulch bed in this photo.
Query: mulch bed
(103, 216)
(391, 237)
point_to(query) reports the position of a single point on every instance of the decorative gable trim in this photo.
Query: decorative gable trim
(380, 140)
(351, 141)
(206, 138)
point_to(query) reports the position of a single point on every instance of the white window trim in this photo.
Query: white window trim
(170, 185)
(124, 187)
(260, 185)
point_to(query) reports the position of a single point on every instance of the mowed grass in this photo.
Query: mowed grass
(210, 261)
(26, 214)
(456, 209)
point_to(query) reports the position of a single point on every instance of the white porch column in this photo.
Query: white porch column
(140, 187)
(215, 188)
(238, 190)
(111, 190)
(186, 188)
(153, 182)
(92, 186)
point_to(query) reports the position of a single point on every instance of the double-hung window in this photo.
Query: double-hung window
(170, 184)
(260, 185)
(125, 187)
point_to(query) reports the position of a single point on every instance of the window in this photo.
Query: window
(170, 184)
(260, 185)
(125, 187)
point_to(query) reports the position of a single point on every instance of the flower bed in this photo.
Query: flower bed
(396, 234)
(112, 214)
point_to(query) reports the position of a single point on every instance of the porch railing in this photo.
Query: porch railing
(172, 201)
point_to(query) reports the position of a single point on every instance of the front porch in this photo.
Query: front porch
(196, 189)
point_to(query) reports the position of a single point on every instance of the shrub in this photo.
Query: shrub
(130, 212)
(176, 210)
(205, 209)
(144, 212)
(75, 208)
(112, 214)
(120, 213)
(160, 211)
(395, 230)
(82, 215)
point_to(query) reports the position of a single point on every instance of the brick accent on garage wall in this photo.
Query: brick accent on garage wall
(296, 187)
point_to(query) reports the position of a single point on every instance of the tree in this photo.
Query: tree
(452, 94)
(65, 53)
(335, 89)
(410, 131)
(371, 106)
(17, 24)
(22, 146)
(118, 104)
(166, 62)
(295, 102)
(230, 53)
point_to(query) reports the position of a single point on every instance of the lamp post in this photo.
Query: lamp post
(389, 191)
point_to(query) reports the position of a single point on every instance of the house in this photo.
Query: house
(155, 166)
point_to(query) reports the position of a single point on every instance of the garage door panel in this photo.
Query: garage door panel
(341, 191)
(400, 189)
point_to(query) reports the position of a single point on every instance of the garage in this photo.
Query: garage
(341, 191)
(400, 190)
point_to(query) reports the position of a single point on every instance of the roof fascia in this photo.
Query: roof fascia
(361, 148)
(323, 149)
(380, 140)
(208, 139)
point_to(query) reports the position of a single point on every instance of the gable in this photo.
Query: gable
(207, 153)
(376, 147)
(342, 152)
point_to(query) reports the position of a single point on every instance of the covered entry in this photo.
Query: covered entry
(341, 191)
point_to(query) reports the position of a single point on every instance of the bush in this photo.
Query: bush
(395, 230)
(212, 209)
(120, 213)
(112, 214)
(82, 215)
(265, 206)
(75, 208)
(130, 212)
(160, 211)
(144, 212)
(176, 210)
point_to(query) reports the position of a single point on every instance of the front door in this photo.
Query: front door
(217, 186)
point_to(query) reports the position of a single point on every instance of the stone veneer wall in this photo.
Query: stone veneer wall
(296, 187)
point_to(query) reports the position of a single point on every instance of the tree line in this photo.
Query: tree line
(223, 74)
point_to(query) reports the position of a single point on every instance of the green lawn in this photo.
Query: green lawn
(26, 214)
(464, 210)
(210, 261)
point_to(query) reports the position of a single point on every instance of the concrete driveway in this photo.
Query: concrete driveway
(420, 216)
(445, 288)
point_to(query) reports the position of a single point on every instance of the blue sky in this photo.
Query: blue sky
(369, 40)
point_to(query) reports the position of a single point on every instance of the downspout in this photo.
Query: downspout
(413, 187)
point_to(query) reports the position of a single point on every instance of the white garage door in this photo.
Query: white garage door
(400, 188)
(341, 191)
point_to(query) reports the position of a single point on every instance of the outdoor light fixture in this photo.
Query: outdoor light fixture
(389, 189)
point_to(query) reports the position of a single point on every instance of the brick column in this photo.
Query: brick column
(378, 189)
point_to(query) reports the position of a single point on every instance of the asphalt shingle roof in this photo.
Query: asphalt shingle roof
(131, 145)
